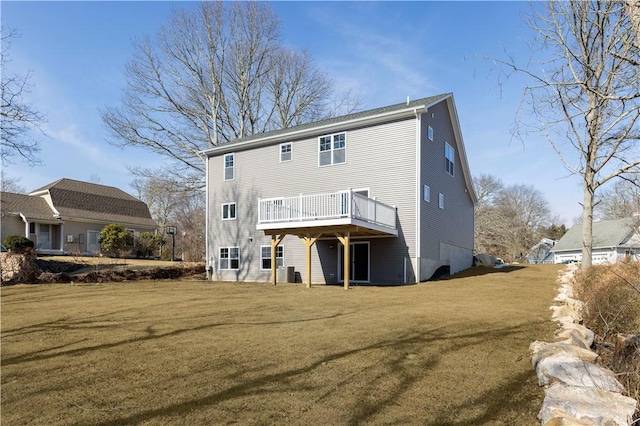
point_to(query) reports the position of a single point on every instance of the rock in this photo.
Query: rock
(597, 406)
(560, 418)
(574, 304)
(19, 267)
(576, 333)
(564, 311)
(482, 259)
(542, 350)
(575, 372)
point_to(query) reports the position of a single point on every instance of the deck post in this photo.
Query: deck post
(275, 240)
(309, 241)
(346, 269)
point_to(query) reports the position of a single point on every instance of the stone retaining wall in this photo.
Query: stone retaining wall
(18, 267)
(577, 391)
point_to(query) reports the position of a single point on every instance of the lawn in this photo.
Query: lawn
(451, 352)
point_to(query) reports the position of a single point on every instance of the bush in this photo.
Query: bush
(147, 244)
(115, 239)
(611, 294)
(18, 243)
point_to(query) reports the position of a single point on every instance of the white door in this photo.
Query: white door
(93, 245)
(44, 236)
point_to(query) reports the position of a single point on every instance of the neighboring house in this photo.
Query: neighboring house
(391, 184)
(67, 215)
(541, 252)
(612, 240)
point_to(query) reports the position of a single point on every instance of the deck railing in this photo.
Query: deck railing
(334, 205)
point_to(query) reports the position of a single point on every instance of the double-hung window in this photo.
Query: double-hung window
(265, 257)
(285, 152)
(332, 149)
(449, 158)
(228, 211)
(229, 163)
(229, 258)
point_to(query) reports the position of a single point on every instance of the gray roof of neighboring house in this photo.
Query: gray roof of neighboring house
(335, 120)
(33, 208)
(74, 199)
(606, 233)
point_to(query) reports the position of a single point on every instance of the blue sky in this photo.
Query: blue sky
(386, 51)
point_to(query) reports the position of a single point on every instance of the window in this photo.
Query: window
(430, 133)
(32, 227)
(285, 152)
(228, 211)
(332, 149)
(426, 193)
(441, 201)
(449, 158)
(229, 162)
(229, 258)
(265, 257)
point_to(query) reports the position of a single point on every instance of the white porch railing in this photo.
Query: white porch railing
(334, 205)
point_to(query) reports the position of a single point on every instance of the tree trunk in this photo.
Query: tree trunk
(587, 218)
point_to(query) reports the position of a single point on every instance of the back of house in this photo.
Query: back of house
(392, 184)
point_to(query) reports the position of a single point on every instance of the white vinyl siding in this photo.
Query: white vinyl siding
(332, 149)
(265, 257)
(229, 258)
(229, 163)
(449, 158)
(228, 211)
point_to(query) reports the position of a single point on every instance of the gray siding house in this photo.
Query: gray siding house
(392, 184)
(612, 240)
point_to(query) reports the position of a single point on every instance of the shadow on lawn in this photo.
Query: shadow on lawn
(476, 271)
(365, 403)
(40, 354)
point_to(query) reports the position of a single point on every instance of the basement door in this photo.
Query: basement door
(359, 254)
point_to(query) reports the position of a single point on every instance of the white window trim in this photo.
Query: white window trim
(441, 200)
(290, 151)
(235, 211)
(228, 268)
(262, 258)
(332, 150)
(426, 193)
(224, 166)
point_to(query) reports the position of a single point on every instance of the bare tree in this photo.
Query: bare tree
(9, 184)
(171, 205)
(585, 95)
(509, 220)
(17, 116)
(212, 74)
(620, 201)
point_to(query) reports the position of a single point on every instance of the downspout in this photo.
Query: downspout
(418, 193)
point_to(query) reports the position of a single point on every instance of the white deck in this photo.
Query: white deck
(329, 209)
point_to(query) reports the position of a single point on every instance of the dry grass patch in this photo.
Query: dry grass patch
(446, 353)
